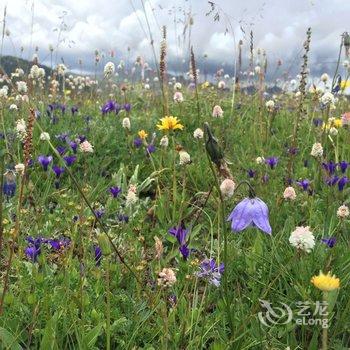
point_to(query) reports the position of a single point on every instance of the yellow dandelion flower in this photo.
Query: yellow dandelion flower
(325, 282)
(338, 123)
(169, 123)
(142, 134)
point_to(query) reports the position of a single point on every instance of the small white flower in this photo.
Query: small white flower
(333, 131)
(198, 133)
(126, 123)
(324, 77)
(19, 168)
(109, 69)
(217, 112)
(177, 86)
(22, 87)
(227, 188)
(131, 197)
(302, 238)
(164, 141)
(178, 97)
(221, 85)
(257, 70)
(13, 107)
(45, 136)
(317, 150)
(86, 147)
(270, 105)
(327, 98)
(343, 212)
(289, 193)
(260, 160)
(185, 158)
(147, 87)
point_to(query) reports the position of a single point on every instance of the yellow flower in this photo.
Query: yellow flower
(325, 282)
(142, 134)
(345, 84)
(169, 123)
(205, 85)
(338, 123)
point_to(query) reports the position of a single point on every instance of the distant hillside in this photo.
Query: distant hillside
(10, 63)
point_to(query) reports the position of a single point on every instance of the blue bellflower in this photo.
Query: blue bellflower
(250, 212)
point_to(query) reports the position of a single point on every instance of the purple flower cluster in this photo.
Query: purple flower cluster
(33, 250)
(211, 271)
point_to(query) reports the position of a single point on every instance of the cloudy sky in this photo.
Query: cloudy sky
(77, 28)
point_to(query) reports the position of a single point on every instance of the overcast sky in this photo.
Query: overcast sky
(279, 27)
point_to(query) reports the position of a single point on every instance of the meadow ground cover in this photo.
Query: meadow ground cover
(162, 214)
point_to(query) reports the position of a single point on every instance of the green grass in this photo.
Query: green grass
(63, 300)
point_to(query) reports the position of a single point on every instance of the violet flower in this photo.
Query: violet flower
(250, 212)
(69, 160)
(98, 255)
(343, 165)
(115, 191)
(137, 142)
(74, 146)
(211, 271)
(9, 185)
(330, 242)
(342, 182)
(180, 233)
(58, 171)
(108, 107)
(45, 161)
(330, 167)
(304, 184)
(251, 173)
(272, 162)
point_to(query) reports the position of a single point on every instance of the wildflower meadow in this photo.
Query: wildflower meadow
(143, 208)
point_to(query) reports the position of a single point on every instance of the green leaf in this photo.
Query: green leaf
(91, 337)
(8, 341)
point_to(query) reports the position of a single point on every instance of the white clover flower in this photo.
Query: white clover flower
(227, 188)
(166, 278)
(185, 158)
(22, 87)
(289, 193)
(343, 212)
(155, 79)
(324, 77)
(109, 69)
(302, 238)
(13, 107)
(34, 71)
(131, 197)
(45, 136)
(61, 69)
(198, 133)
(260, 160)
(217, 112)
(221, 85)
(178, 97)
(333, 131)
(177, 86)
(327, 98)
(3, 92)
(20, 168)
(270, 105)
(147, 86)
(164, 141)
(126, 123)
(317, 150)
(298, 94)
(86, 147)
(257, 70)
